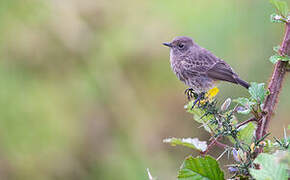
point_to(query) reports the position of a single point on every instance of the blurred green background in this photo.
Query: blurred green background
(87, 91)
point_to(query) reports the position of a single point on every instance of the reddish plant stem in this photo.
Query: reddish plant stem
(212, 144)
(246, 122)
(222, 145)
(274, 86)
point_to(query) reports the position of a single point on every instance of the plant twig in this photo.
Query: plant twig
(222, 145)
(213, 143)
(274, 86)
(246, 122)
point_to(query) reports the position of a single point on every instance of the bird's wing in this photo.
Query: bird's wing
(199, 63)
(222, 71)
(207, 58)
(206, 64)
(191, 69)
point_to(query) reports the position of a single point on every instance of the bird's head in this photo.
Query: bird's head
(181, 45)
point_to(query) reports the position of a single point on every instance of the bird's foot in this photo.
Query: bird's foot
(189, 92)
(199, 97)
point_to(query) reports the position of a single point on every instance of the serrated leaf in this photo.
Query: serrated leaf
(269, 168)
(193, 143)
(200, 168)
(281, 7)
(257, 91)
(246, 133)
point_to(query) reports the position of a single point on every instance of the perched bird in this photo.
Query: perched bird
(197, 67)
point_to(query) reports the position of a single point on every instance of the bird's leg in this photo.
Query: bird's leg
(189, 92)
(198, 98)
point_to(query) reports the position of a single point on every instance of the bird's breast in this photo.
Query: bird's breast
(176, 67)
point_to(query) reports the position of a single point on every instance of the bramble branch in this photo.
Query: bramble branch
(274, 85)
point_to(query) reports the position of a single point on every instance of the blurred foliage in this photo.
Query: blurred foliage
(86, 87)
(268, 170)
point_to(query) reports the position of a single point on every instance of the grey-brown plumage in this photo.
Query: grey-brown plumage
(197, 67)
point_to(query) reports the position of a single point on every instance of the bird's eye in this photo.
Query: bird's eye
(181, 46)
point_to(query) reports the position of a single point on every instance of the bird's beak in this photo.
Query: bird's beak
(167, 44)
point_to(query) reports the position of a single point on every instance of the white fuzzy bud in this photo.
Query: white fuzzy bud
(226, 104)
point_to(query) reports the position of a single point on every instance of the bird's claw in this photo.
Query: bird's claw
(197, 96)
(189, 92)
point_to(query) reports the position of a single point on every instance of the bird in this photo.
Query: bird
(197, 67)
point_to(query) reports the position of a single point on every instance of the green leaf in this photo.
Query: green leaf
(257, 91)
(244, 102)
(281, 7)
(199, 116)
(269, 168)
(246, 133)
(275, 58)
(193, 143)
(200, 168)
(283, 157)
(269, 146)
(284, 58)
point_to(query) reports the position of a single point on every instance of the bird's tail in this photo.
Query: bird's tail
(242, 83)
